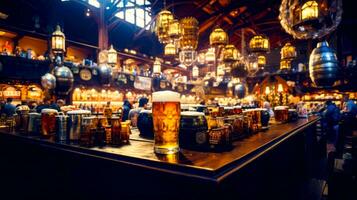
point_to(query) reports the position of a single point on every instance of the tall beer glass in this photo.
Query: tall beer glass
(166, 118)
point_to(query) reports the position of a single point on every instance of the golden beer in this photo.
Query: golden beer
(48, 122)
(166, 119)
(281, 114)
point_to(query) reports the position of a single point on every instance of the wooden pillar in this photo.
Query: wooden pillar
(102, 27)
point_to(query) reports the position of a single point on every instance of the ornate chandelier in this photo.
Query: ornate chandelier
(310, 19)
(189, 30)
(163, 21)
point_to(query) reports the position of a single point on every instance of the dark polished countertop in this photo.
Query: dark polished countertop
(211, 166)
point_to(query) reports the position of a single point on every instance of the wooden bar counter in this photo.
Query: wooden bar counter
(266, 165)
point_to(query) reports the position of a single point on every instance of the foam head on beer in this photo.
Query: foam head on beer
(165, 96)
(48, 111)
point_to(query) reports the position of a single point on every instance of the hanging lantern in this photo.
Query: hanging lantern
(252, 63)
(210, 56)
(174, 30)
(163, 21)
(310, 10)
(288, 52)
(187, 57)
(112, 56)
(64, 80)
(305, 19)
(195, 72)
(170, 50)
(230, 53)
(261, 61)
(323, 65)
(58, 39)
(285, 65)
(189, 30)
(259, 43)
(157, 67)
(218, 37)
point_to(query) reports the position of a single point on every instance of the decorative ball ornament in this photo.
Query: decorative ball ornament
(189, 31)
(105, 73)
(64, 80)
(323, 65)
(218, 37)
(259, 43)
(310, 19)
(163, 21)
(48, 81)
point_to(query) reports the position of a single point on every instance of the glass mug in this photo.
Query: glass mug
(48, 122)
(166, 112)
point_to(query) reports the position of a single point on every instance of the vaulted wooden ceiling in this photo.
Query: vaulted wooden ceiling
(253, 16)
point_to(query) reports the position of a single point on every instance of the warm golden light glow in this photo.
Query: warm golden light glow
(310, 10)
(218, 37)
(285, 64)
(163, 21)
(267, 90)
(288, 51)
(170, 49)
(230, 53)
(195, 72)
(220, 70)
(259, 43)
(261, 60)
(175, 30)
(189, 31)
(157, 67)
(187, 57)
(280, 88)
(210, 55)
(58, 41)
(112, 56)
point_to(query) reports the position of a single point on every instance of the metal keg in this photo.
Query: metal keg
(34, 123)
(61, 127)
(323, 65)
(75, 122)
